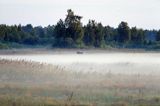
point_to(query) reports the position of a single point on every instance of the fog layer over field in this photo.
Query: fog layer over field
(126, 63)
(92, 79)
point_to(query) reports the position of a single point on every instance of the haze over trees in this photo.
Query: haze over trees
(71, 33)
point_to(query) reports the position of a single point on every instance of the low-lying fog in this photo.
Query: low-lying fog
(126, 63)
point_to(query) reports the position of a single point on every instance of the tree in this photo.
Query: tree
(158, 36)
(137, 36)
(94, 34)
(124, 32)
(30, 35)
(99, 38)
(90, 33)
(71, 33)
(134, 34)
(49, 31)
(60, 34)
(74, 27)
(2, 32)
(141, 36)
(109, 34)
(39, 31)
(60, 30)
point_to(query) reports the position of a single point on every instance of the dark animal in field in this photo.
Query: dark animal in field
(79, 52)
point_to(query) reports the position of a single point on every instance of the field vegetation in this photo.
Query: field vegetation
(31, 83)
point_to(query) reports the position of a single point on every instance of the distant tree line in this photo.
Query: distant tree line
(70, 33)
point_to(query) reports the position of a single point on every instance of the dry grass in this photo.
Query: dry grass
(35, 84)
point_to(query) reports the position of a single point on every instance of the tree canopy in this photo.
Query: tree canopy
(71, 33)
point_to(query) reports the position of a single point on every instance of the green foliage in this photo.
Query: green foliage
(137, 35)
(3, 46)
(110, 34)
(3, 31)
(89, 37)
(158, 36)
(70, 33)
(123, 32)
(94, 34)
(99, 35)
(60, 30)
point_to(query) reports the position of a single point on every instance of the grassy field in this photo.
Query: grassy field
(36, 84)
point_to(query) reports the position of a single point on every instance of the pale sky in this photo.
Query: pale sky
(141, 13)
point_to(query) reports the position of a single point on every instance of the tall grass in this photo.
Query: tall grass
(31, 83)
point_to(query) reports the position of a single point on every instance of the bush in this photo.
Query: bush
(120, 104)
(3, 46)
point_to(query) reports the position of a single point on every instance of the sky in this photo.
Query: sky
(141, 13)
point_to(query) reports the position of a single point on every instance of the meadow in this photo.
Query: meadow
(30, 83)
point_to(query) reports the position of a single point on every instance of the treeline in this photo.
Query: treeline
(28, 34)
(70, 33)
